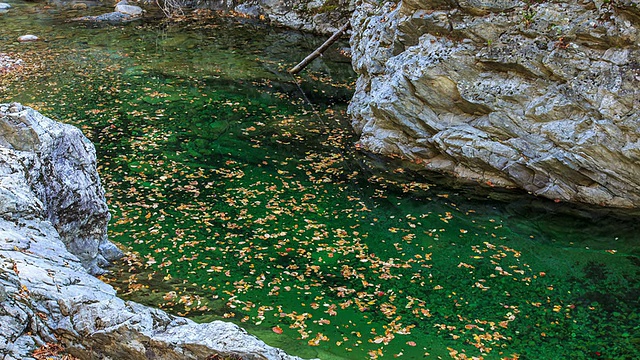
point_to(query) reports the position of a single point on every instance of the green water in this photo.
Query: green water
(237, 201)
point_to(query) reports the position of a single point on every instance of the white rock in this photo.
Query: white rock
(5, 6)
(129, 9)
(28, 38)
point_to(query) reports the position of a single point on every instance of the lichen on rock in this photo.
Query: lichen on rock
(544, 96)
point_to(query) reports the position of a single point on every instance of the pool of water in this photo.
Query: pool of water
(238, 199)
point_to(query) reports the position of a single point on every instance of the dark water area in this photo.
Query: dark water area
(239, 200)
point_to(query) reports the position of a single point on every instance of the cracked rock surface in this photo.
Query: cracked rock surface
(53, 220)
(540, 95)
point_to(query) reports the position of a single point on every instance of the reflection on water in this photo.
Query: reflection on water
(238, 201)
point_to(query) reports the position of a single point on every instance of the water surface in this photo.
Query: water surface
(238, 200)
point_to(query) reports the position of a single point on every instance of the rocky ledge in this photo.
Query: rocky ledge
(541, 95)
(53, 220)
(319, 16)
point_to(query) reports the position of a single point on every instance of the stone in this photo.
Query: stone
(28, 38)
(535, 96)
(249, 10)
(130, 10)
(53, 220)
(66, 165)
(79, 6)
(319, 16)
(5, 6)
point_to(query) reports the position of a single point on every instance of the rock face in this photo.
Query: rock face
(58, 164)
(320, 16)
(539, 95)
(52, 230)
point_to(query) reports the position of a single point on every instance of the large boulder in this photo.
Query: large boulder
(539, 95)
(58, 164)
(53, 220)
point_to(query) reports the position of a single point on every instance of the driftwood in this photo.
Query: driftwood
(296, 69)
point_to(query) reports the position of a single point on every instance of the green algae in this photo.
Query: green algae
(238, 201)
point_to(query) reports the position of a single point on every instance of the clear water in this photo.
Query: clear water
(237, 201)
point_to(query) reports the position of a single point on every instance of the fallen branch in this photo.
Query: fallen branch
(296, 69)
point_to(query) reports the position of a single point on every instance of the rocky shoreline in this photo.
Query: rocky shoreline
(543, 96)
(53, 220)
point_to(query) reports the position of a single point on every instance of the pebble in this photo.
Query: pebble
(28, 38)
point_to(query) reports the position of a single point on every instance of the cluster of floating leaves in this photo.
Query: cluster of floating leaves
(236, 201)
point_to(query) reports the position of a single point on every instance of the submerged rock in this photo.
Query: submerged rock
(53, 220)
(544, 96)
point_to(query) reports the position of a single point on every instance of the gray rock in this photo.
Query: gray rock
(52, 233)
(319, 16)
(249, 10)
(538, 96)
(62, 175)
(128, 9)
